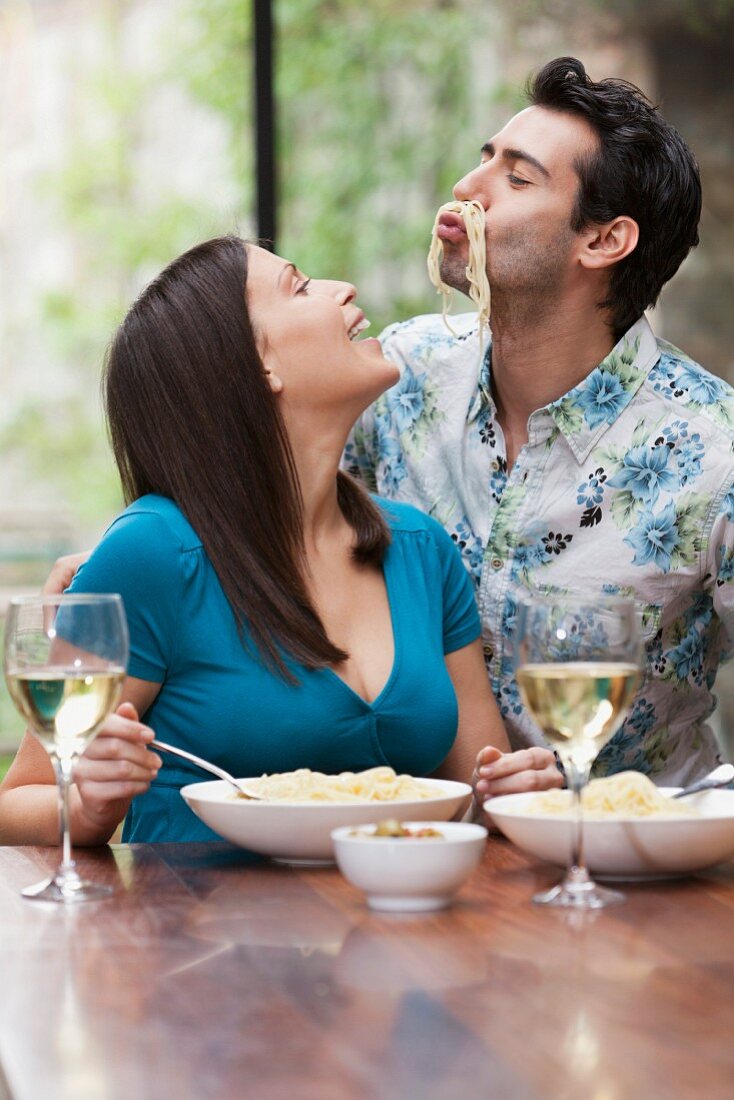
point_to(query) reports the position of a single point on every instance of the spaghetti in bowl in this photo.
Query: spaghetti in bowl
(372, 785)
(638, 836)
(297, 829)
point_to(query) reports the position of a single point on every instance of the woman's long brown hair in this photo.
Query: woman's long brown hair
(191, 417)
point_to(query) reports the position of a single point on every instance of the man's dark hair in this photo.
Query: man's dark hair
(641, 168)
(191, 417)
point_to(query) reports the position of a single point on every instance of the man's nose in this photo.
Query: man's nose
(473, 186)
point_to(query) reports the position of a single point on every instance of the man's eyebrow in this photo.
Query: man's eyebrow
(517, 154)
(286, 267)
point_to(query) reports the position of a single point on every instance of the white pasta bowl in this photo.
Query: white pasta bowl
(300, 832)
(625, 847)
(402, 874)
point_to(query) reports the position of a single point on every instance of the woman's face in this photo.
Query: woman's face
(307, 332)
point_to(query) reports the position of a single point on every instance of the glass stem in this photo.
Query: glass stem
(577, 780)
(63, 769)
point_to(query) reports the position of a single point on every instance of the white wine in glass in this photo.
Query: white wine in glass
(578, 704)
(577, 671)
(65, 661)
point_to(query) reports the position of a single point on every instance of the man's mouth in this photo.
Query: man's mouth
(451, 227)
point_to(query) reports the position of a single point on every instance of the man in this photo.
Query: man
(581, 454)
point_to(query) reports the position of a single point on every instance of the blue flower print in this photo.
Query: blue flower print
(528, 556)
(623, 753)
(701, 387)
(645, 473)
(728, 505)
(602, 398)
(384, 433)
(485, 427)
(358, 464)
(591, 492)
(392, 460)
(688, 458)
(393, 475)
(509, 617)
(498, 480)
(509, 700)
(726, 568)
(687, 657)
(472, 550)
(405, 400)
(642, 718)
(701, 610)
(654, 538)
(674, 432)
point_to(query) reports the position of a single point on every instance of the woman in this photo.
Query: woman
(279, 617)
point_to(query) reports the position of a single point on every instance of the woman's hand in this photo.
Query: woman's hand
(115, 768)
(511, 772)
(63, 573)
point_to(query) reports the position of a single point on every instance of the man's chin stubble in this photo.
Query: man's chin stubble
(453, 273)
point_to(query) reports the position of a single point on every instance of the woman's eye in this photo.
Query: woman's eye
(303, 287)
(517, 180)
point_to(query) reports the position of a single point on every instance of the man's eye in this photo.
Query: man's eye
(303, 287)
(517, 180)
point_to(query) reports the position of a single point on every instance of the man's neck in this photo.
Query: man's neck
(537, 361)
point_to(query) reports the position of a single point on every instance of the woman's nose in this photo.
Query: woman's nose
(341, 292)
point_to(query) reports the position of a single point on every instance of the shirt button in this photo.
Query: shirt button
(496, 563)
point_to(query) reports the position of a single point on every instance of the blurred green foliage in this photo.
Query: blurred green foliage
(368, 98)
(368, 145)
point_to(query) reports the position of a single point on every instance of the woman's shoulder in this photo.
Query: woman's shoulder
(145, 549)
(155, 517)
(405, 518)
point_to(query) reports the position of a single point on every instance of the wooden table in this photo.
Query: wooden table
(209, 975)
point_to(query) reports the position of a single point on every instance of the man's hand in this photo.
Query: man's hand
(63, 573)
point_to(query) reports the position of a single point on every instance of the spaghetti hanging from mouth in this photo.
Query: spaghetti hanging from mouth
(472, 214)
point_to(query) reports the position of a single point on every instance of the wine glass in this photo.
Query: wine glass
(65, 661)
(577, 668)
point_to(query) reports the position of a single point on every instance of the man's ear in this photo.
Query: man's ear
(607, 244)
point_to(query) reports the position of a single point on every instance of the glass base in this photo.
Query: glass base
(578, 891)
(66, 888)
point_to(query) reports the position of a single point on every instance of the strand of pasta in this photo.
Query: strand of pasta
(472, 213)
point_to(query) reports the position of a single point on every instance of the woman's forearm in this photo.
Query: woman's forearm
(30, 815)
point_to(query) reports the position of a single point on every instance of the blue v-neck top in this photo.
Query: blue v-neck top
(219, 700)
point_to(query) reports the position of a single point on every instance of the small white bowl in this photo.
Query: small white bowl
(401, 874)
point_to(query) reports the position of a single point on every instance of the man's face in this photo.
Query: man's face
(527, 183)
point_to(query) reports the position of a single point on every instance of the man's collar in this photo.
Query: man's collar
(590, 408)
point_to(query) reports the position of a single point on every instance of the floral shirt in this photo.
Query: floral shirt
(626, 485)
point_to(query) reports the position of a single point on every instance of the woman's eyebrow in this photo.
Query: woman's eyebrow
(286, 267)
